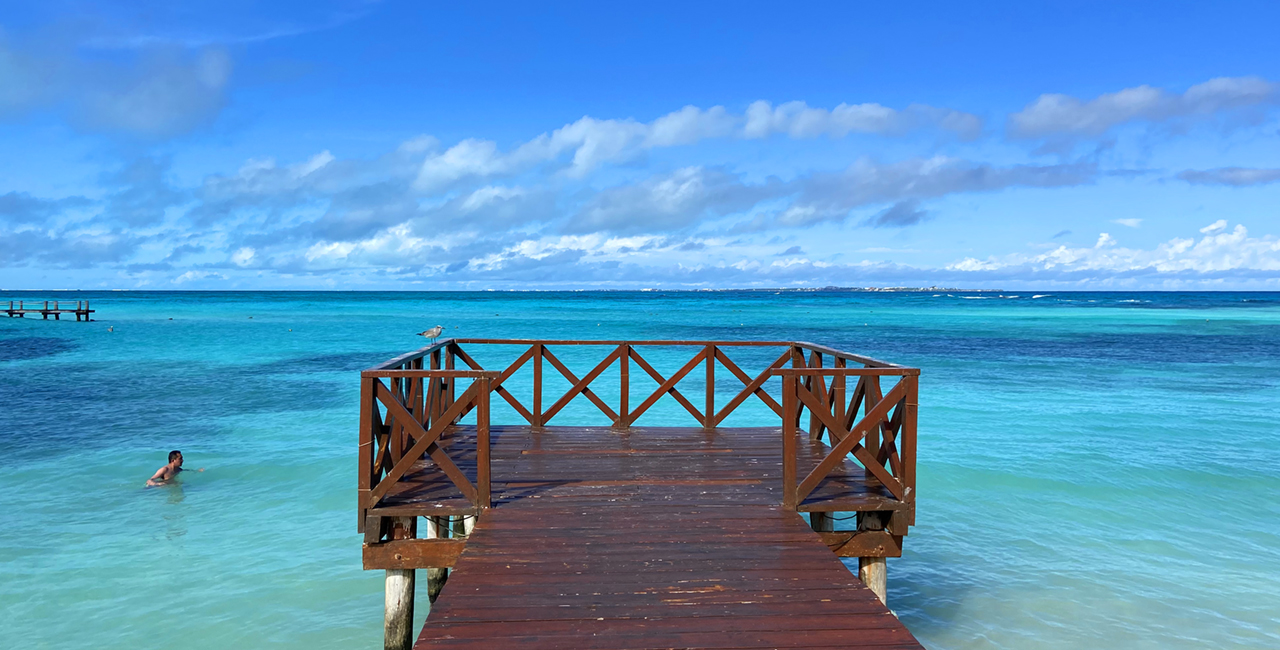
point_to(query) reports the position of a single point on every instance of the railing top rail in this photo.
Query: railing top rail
(859, 372)
(620, 342)
(399, 372)
(395, 363)
(868, 361)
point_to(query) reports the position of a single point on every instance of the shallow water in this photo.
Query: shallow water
(1095, 470)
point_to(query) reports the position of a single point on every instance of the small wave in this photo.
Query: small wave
(975, 297)
(1041, 295)
(1132, 301)
(1009, 296)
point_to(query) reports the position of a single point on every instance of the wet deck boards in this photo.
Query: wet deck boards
(743, 464)
(647, 538)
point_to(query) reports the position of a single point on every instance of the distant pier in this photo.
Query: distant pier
(20, 309)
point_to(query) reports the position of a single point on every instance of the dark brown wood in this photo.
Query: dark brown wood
(863, 543)
(618, 536)
(483, 480)
(522, 583)
(710, 410)
(789, 495)
(624, 391)
(537, 384)
(413, 554)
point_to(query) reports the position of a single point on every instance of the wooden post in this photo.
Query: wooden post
(436, 576)
(822, 522)
(482, 445)
(789, 443)
(624, 398)
(909, 445)
(537, 384)
(367, 476)
(873, 571)
(398, 624)
(451, 382)
(710, 414)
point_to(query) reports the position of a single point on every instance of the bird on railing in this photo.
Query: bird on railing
(432, 333)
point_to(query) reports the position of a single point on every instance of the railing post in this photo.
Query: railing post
(815, 425)
(709, 417)
(437, 394)
(482, 445)
(837, 398)
(451, 382)
(624, 396)
(789, 442)
(909, 445)
(874, 395)
(537, 384)
(365, 477)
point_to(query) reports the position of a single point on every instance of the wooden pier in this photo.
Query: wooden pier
(20, 310)
(624, 535)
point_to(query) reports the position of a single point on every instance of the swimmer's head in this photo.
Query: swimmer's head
(175, 455)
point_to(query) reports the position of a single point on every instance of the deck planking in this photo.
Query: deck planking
(650, 537)
(574, 571)
(742, 464)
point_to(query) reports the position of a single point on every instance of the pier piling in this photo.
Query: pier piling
(398, 623)
(874, 571)
(436, 576)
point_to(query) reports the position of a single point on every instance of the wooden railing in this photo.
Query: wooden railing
(405, 418)
(883, 441)
(409, 403)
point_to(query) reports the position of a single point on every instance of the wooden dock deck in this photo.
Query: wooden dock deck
(20, 310)
(638, 536)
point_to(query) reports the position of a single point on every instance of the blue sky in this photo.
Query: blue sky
(412, 145)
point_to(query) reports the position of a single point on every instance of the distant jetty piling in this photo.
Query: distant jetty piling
(20, 309)
(624, 536)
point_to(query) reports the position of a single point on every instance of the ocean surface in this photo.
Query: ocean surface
(1096, 470)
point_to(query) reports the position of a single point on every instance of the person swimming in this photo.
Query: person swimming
(169, 471)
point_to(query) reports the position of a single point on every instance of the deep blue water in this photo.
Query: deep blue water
(1095, 469)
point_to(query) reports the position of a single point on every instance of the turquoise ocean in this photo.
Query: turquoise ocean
(1096, 470)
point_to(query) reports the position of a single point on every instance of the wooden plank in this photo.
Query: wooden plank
(863, 543)
(413, 554)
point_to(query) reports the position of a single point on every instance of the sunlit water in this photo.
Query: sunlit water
(1095, 470)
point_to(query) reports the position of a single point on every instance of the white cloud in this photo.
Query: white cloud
(1218, 251)
(1130, 223)
(1215, 227)
(243, 256)
(798, 120)
(1063, 115)
(589, 142)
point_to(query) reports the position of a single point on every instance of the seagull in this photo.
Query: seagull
(432, 333)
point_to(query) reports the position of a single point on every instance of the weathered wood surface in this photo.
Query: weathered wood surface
(677, 568)
(743, 465)
(626, 536)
